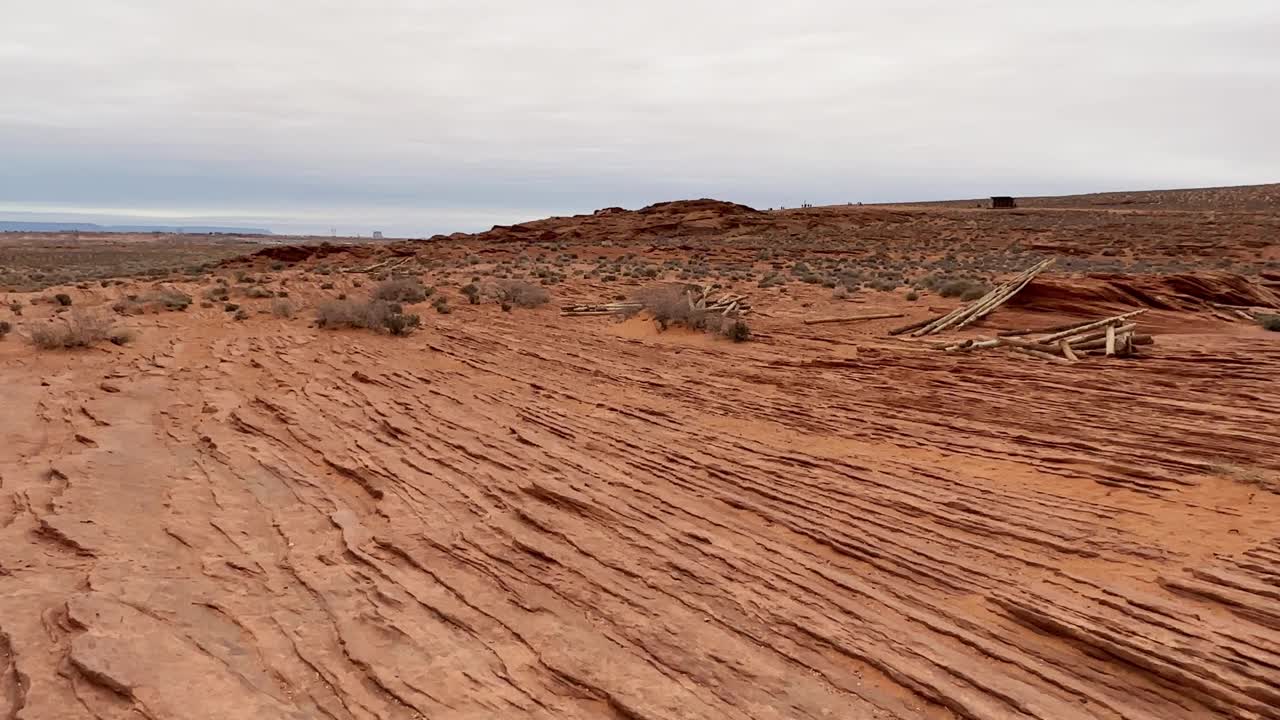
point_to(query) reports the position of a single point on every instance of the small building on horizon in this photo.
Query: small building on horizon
(377, 234)
(1003, 202)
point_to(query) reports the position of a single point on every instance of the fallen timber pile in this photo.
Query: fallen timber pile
(613, 308)
(385, 265)
(976, 310)
(698, 297)
(1251, 313)
(1113, 337)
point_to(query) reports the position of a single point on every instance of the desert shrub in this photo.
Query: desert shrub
(372, 315)
(277, 266)
(961, 288)
(62, 299)
(840, 293)
(240, 314)
(120, 336)
(282, 308)
(1270, 322)
(326, 286)
(472, 291)
(217, 293)
(257, 291)
(913, 296)
(522, 294)
(5, 328)
(736, 330)
(441, 304)
(773, 279)
(669, 305)
(167, 298)
(15, 307)
(230, 307)
(400, 324)
(403, 290)
(79, 330)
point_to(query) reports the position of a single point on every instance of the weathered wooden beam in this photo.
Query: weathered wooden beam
(1091, 326)
(1065, 348)
(852, 318)
(912, 326)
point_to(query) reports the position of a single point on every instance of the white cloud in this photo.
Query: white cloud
(563, 103)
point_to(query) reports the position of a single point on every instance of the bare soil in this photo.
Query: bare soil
(519, 514)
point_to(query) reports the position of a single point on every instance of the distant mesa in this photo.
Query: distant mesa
(23, 226)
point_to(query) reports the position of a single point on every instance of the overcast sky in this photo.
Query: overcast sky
(418, 116)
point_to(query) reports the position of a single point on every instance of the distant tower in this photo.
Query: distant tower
(377, 234)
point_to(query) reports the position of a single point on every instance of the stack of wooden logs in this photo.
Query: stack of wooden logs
(613, 308)
(1114, 336)
(1252, 313)
(386, 265)
(976, 310)
(727, 304)
(698, 296)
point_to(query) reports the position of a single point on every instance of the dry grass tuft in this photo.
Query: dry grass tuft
(282, 308)
(77, 331)
(371, 315)
(403, 290)
(163, 298)
(1246, 475)
(670, 305)
(522, 293)
(964, 289)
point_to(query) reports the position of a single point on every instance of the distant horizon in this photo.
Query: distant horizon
(414, 222)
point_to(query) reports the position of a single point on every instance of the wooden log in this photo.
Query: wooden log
(1041, 354)
(983, 306)
(1025, 345)
(1095, 334)
(972, 345)
(988, 309)
(1111, 340)
(1101, 343)
(852, 318)
(912, 326)
(938, 324)
(1046, 331)
(1090, 326)
(1065, 347)
(1262, 308)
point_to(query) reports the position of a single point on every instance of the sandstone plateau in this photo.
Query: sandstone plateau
(518, 514)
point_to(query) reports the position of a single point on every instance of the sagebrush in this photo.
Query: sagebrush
(77, 331)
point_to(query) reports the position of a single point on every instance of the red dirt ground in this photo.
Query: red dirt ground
(528, 515)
